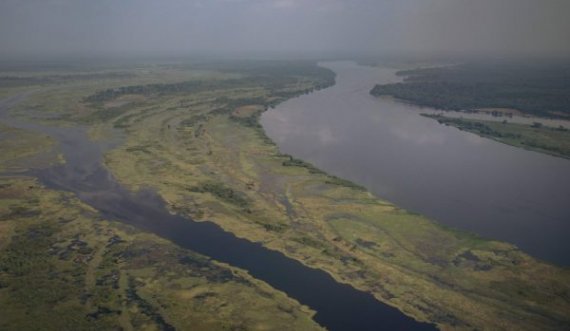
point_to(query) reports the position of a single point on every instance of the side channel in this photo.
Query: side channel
(338, 306)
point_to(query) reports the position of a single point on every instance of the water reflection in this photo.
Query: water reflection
(455, 177)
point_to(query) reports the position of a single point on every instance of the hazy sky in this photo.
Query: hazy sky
(84, 26)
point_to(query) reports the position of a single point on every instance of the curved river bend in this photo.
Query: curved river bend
(457, 178)
(338, 306)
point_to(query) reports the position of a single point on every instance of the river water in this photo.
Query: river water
(456, 178)
(338, 306)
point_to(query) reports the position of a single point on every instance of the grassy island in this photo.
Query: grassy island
(535, 137)
(497, 88)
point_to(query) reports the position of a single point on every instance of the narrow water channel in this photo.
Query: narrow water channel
(338, 306)
(456, 178)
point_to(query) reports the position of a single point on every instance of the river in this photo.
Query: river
(338, 306)
(454, 177)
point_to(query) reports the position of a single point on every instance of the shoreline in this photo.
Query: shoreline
(404, 260)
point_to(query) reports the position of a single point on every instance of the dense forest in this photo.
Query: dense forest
(536, 89)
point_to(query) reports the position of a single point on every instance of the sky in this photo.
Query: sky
(533, 27)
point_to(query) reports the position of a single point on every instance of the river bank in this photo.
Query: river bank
(212, 166)
(534, 137)
(340, 307)
(207, 164)
(454, 177)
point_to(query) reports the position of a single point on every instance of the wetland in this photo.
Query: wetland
(461, 180)
(178, 165)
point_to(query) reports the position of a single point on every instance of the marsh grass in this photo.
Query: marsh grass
(543, 139)
(325, 222)
(205, 163)
(64, 268)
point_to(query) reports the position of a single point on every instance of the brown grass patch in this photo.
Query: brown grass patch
(247, 111)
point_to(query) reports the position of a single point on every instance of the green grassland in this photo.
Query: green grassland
(21, 149)
(63, 268)
(210, 160)
(210, 164)
(58, 96)
(544, 139)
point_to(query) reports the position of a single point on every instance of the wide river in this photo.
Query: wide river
(453, 177)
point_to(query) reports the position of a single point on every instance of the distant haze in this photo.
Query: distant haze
(495, 27)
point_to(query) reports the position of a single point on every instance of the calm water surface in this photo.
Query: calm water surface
(454, 177)
(338, 306)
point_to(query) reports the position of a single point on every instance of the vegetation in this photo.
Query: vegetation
(156, 89)
(534, 89)
(224, 193)
(63, 268)
(432, 273)
(293, 162)
(272, 77)
(193, 148)
(21, 149)
(16, 81)
(553, 141)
